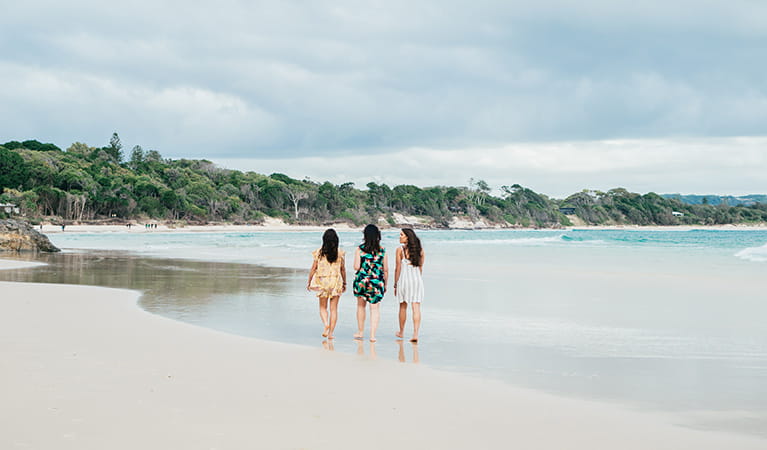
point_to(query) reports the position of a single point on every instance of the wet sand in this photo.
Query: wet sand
(86, 368)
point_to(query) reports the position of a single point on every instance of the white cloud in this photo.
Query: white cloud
(160, 117)
(711, 166)
(293, 78)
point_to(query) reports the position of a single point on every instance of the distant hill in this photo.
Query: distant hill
(729, 200)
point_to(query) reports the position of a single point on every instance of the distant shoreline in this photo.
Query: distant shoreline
(276, 225)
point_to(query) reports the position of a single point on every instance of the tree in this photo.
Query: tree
(115, 148)
(510, 190)
(154, 156)
(136, 157)
(80, 149)
(31, 145)
(478, 190)
(13, 170)
(296, 193)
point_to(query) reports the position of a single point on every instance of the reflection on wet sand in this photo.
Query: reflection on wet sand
(165, 282)
(372, 354)
(250, 300)
(401, 353)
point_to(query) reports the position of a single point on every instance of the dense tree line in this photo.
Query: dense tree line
(87, 183)
(618, 206)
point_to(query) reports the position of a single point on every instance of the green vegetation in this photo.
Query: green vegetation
(87, 183)
(618, 206)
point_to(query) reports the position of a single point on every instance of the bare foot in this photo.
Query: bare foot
(398, 334)
(330, 336)
(358, 336)
(372, 339)
(325, 332)
(414, 339)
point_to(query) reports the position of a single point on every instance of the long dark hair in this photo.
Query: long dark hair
(329, 245)
(413, 247)
(372, 243)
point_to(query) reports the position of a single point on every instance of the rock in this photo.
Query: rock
(413, 221)
(16, 235)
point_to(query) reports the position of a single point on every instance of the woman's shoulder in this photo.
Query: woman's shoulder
(316, 253)
(341, 253)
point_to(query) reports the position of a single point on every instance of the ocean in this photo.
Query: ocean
(669, 321)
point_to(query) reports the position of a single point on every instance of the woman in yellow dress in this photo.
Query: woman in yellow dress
(327, 277)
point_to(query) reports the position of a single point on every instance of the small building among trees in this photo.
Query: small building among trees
(9, 208)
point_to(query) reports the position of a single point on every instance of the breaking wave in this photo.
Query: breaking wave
(754, 254)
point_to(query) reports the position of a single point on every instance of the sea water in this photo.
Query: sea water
(664, 320)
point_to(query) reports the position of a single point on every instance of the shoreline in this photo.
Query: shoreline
(185, 386)
(284, 227)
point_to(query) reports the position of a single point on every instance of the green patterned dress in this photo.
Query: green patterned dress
(369, 280)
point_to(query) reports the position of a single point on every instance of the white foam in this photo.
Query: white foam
(754, 254)
(518, 241)
(526, 241)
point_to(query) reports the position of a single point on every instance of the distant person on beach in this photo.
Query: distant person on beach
(408, 280)
(372, 272)
(327, 277)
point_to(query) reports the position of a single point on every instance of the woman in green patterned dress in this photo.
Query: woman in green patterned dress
(372, 273)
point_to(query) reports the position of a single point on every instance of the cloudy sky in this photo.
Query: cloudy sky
(555, 95)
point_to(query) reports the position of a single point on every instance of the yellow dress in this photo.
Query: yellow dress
(327, 280)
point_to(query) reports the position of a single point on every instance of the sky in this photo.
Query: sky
(558, 96)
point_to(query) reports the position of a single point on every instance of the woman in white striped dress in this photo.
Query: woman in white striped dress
(408, 282)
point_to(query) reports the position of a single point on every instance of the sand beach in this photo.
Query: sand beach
(86, 368)
(277, 225)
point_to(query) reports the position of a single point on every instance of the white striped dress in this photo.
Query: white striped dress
(410, 282)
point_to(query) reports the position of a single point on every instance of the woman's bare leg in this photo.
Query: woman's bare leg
(416, 320)
(361, 303)
(402, 319)
(333, 316)
(375, 314)
(324, 315)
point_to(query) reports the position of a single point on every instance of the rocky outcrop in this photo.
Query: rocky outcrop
(16, 235)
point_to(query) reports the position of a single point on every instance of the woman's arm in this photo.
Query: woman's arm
(311, 274)
(423, 258)
(397, 267)
(357, 260)
(343, 273)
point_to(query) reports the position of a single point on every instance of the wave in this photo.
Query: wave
(517, 241)
(529, 241)
(754, 254)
